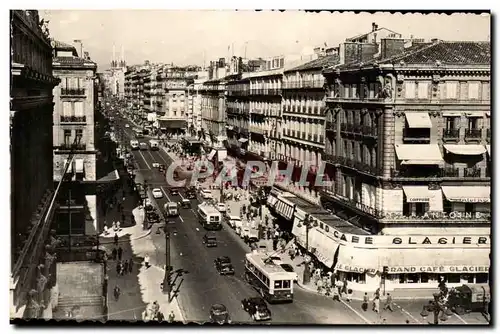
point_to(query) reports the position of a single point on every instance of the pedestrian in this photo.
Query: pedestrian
(113, 254)
(125, 267)
(130, 265)
(171, 316)
(160, 317)
(120, 252)
(118, 226)
(388, 303)
(118, 267)
(116, 239)
(116, 292)
(376, 304)
(146, 261)
(349, 295)
(364, 306)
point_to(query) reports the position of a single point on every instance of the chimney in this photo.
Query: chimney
(352, 52)
(331, 51)
(374, 26)
(390, 47)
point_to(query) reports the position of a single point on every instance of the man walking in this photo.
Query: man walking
(388, 303)
(146, 261)
(120, 252)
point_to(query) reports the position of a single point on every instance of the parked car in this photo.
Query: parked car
(157, 193)
(174, 191)
(191, 193)
(257, 308)
(224, 266)
(210, 240)
(127, 126)
(234, 221)
(218, 313)
(289, 268)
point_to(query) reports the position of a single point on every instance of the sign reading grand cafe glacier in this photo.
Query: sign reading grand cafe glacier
(399, 261)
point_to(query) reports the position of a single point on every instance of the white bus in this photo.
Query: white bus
(134, 144)
(274, 283)
(209, 217)
(153, 145)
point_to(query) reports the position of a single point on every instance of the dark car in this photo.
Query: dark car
(174, 191)
(257, 308)
(224, 266)
(219, 314)
(191, 193)
(210, 240)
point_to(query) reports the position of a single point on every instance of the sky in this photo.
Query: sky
(194, 37)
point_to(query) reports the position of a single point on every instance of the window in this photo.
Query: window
(356, 277)
(67, 137)
(469, 278)
(278, 284)
(453, 278)
(67, 109)
(474, 90)
(286, 284)
(423, 90)
(481, 278)
(79, 133)
(485, 91)
(451, 90)
(410, 88)
(469, 207)
(472, 123)
(451, 122)
(174, 112)
(79, 109)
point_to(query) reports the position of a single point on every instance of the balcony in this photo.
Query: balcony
(305, 84)
(473, 172)
(416, 135)
(450, 172)
(330, 126)
(369, 131)
(73, 119)
(69, 147)
(72, 92)
(473, 135)
(451, 135)
(347, 127)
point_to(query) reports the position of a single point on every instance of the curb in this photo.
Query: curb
(136, 238)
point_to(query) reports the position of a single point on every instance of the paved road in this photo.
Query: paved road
(202, 286)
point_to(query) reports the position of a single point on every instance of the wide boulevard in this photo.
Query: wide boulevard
(201, 285)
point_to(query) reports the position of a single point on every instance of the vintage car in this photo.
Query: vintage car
(257, 308)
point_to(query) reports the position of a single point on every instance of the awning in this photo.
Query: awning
(419, 154)
(475, 113)
(417, 194)
(285, 210)
(488, 113)
(271, 201)
(324, 247)
(211, 155)
(435, 260)
(465, 149)
(113, 176)
(79, 165)
(418, 120)
(299, 231)
(467, 194)
(173, 123)
(359, 260)
(243, 140)
(488, 148)
(452, 113)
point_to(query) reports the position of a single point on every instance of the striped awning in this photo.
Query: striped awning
(285, 210)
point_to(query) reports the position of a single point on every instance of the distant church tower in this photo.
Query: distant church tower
(115, 64)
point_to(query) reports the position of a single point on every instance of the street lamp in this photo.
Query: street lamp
(168, 269)
(436, 306)
(308, 221)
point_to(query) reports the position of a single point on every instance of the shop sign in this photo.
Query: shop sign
(355, 239)
(438, 269)
(433, 240)
(354, 269)
(417, 199)
(439, 215)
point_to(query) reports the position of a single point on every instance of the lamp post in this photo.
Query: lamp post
(308, 225)
(166, 279)
(436, 306)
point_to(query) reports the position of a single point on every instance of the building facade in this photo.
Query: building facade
(407, 140)
(238, 115)
(33, 273)
(73, 133)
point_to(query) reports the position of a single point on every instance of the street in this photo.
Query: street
(202, 286)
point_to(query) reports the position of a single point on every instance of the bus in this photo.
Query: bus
(209, 217)
(134, 144)
(274, 283)
(153, 145)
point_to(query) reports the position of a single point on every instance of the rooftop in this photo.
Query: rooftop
(72, 62)
(320, 63)
(350, 39)
(444, 52)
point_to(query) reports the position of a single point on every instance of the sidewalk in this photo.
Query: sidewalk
(135, 232)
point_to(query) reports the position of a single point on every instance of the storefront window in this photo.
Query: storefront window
(454, 278)
(481, 278)
(356, 277)
(469, 278)
(413, 278)
(424, 278)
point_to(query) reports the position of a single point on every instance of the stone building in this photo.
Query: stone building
(33, 269)
(407, 140)
(73, 132)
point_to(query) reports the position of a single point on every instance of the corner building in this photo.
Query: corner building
(408, 140)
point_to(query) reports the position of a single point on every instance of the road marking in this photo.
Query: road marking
(180, 217)
(461, 319)
(164, 192)
(356, 312)
(408, 314)
(181, 196)
(144, 160)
